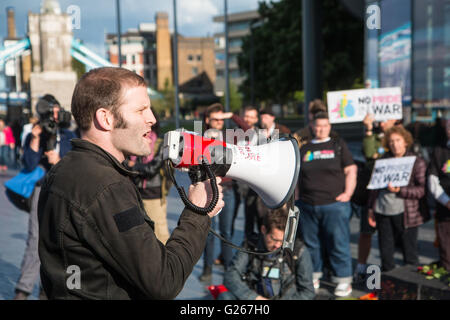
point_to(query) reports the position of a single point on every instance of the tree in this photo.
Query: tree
(235, 98)
(165, 104)
(277, 50)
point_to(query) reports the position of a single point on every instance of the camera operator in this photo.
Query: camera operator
(47, 143)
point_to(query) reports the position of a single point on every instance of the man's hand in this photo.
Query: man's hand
(260, 298)
(201, 194)
(368, 122)
(371, 218)
(343, 197)
(52, 156)
(224, 115)
(393, 189)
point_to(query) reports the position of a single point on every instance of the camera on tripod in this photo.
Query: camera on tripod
(51, 120)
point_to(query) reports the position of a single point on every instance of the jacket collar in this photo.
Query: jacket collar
(86, 145)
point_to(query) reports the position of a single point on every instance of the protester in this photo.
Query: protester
(153, 183)
(214, 125)
(326, 183)
(397, 212)
(242, 191)
(372, 149)
(439, 187)
(276, 276)
(268, 123)
(306, 134)
(89, 203)
(35, 154)
(7, 156)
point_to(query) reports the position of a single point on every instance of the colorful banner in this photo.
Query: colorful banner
(353, 105)
(396, 171)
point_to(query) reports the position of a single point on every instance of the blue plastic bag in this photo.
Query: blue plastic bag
(20, 188)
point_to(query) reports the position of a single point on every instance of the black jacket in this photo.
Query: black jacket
(91, 216)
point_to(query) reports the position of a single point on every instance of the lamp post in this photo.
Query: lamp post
(119, 44)
(227, 76)
(175, 65)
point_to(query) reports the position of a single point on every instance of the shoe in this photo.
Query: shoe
(206, 276)
(343, 290)
(316, 284)
(21, 295)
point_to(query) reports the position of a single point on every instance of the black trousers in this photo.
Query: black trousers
(443, 232)
(391, 230)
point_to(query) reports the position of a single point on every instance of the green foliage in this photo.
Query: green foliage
(166, 105)
(78, 67)
(277, 51)
(235, 98)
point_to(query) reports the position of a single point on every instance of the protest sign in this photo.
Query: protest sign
(396, 171)
(353, 105)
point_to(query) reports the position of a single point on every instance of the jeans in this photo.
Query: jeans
(390, 230)
(6, 154)
(326, 232)
(225, 229)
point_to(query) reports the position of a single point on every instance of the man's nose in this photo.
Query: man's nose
(150, 117)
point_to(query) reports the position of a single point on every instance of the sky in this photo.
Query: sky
(97, 17)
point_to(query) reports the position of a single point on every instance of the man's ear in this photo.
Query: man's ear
(207, 120)
(104, 119)
(263, 230)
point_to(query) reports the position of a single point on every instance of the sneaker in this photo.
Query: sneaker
(343, 290)
(206, 275)
(316, 284)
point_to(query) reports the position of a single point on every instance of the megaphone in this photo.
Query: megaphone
(270, 169)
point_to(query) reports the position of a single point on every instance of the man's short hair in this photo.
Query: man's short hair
(250, 108)
(316, 106)
(216, 107)
(102, 88)
(276, 219)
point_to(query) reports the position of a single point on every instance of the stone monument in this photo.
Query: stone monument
(50, 34)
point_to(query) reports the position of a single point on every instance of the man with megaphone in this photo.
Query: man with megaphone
(96, 241)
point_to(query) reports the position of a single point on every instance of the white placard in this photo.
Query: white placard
(353, 105)
(397, 171)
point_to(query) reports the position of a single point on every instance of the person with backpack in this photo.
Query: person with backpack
(281, 275)
(326, 184)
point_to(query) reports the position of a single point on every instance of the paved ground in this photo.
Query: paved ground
(13, 235)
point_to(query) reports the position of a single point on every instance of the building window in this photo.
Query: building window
(133, 59)
(199, 58)
(194, 71)
(235, 43)
(235, 74)
(190, 57)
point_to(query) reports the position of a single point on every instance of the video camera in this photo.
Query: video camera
(49, 123)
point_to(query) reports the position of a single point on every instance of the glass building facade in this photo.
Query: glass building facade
(411, 50)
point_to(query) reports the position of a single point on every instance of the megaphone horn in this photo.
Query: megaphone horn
(270, 169)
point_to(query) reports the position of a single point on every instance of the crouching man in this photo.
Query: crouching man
(275, 276)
